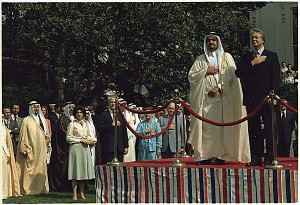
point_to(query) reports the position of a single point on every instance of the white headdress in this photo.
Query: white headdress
(219, 53)
(35, 116)
(67, 111)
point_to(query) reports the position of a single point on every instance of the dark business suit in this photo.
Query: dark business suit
(257, 82)
(106, 131)
(285, 129)
(169, 137)
(52, 116)
(14, 127)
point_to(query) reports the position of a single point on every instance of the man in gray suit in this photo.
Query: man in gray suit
(13, 124)
(16, 123)
(169, 138)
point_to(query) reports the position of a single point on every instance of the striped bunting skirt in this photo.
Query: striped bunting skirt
(195, 185)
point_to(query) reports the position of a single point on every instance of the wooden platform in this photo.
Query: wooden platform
(155, 182)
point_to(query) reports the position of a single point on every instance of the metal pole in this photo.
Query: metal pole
(176, 163)
(184, 154)
(115, 161)
(275, 164)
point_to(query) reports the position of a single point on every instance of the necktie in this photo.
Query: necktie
(283, 118)
(15, 123)
(255, 53)
(41, 124)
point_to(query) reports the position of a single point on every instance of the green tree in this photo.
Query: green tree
(68, 45)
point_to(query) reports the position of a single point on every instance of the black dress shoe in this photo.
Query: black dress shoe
(219, 162)
(204, 162)
(254, 163)
(267, 162)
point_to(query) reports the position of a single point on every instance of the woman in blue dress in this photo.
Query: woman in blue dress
(149, 149)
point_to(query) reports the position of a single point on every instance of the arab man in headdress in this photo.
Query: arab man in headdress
(31, 159)
(216, 94)
(58, 167)
(10, 179)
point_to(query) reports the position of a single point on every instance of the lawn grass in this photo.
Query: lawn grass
(54, 197)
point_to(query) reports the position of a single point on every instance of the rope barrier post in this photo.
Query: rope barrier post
(184, 154)
(275, 164)
(115, 161)
(177, 162)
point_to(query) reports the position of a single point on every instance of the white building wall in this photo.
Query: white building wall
(276, 21)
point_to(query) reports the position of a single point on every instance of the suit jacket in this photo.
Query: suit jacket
(169, 137)
(286, 128)
(53, 117)
(257, 81)
(106, 131)
(53, 121)
(15, 129)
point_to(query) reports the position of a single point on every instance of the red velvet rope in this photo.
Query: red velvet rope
(145, 112)
(288, 106)
(146, 137)
(225, 123)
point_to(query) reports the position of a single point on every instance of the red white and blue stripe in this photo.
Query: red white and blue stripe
(195, 185)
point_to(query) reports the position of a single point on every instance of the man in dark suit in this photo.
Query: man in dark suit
(16, 122)
(54, 116)
(105, 125)
(260, 73)
(169, 137)
(286, 120)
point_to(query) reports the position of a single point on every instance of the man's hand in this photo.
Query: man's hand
(125, 151)
(258, 60)
(158, 152)
(211, 70)
(213, 92)
(118, 123)
(172, 127)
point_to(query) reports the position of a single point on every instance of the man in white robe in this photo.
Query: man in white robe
(215, 93)
(31, 160)
(10, 180)
(131, 155)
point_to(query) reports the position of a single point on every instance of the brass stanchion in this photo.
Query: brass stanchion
(115, 161)
(184, 154)
(177, 162)
(275, 164)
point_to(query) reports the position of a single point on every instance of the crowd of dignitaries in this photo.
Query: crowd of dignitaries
(57, 149)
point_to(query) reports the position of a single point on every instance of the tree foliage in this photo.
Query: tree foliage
(64, 46)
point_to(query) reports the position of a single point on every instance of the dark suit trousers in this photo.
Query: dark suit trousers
(255, 138)
(168, 153)
(283, 148)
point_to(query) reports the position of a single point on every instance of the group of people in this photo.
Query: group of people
(222, 91)
(57, 149)
(288, 74)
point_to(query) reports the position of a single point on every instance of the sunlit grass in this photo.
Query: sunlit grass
(54, 197)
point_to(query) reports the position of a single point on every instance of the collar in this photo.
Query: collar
(261, 50)
(212, 54)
